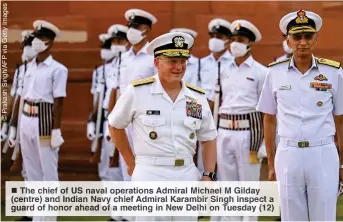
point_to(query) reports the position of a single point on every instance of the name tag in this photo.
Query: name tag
(288, 87)
(153, 112)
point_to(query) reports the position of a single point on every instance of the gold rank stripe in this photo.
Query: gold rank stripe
(140, 82)
(328, 62)
(301, 31)
(302, 27)
(278, 62)
(172, 50)
(195, 88)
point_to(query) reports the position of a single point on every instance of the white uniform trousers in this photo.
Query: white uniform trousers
(39, 159)
(107, 173)
(23, 172)
(123, 168)
(150, 172)
(308, 180)
(121, 159)
(233, 149)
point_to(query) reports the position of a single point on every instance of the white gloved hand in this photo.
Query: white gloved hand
(12, 136)
(262, 152)
(56, 138)
(91, 131)
(4, 130)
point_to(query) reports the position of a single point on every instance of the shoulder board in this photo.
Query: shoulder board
(140, 82)
(328, 62)
(195, 88)
(278, 62)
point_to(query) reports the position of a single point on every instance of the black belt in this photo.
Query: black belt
(30, 112)
(45, 115)
(256, 127)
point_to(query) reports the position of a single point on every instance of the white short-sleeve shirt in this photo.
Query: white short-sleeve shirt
(303, 106)
(135, 66)
(45, 81)
(241, 86)
(192, 71)
(177, 125)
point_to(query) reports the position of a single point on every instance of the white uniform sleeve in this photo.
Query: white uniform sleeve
(261, 79)
(212, 93)
(59, 83)
(152, 70)
(338, 95)
(208, 130)
(267, 102)
(124, 110)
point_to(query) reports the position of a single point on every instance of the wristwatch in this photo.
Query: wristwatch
(211, 175)
(341, 166)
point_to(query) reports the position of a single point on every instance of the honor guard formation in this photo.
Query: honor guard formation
(161, 114)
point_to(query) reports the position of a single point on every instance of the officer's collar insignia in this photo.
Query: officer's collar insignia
(178, 41)
(321, 77)
(301, 17)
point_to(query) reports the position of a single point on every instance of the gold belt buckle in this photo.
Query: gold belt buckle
(303, 144)
(179, 162)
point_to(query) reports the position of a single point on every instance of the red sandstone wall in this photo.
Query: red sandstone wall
(96, 17)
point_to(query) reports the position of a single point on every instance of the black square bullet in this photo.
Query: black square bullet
(14, 190)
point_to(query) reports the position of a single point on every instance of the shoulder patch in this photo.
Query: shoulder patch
(140, 82)
(328, 62)
(278, 62)
(195, 88)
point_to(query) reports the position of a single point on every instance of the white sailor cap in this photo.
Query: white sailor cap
(26, 37)
(46, 29)
(137, 17)
(299, 22)
(219, 25)
(26, 34)
(185, 30)
(246, 28)
(103, 37)
(106, 41)
(175, 44)
(117, 30)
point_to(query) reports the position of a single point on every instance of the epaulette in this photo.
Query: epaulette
(328, 62)
(140, 82)
(278, 62)
(195, 88)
